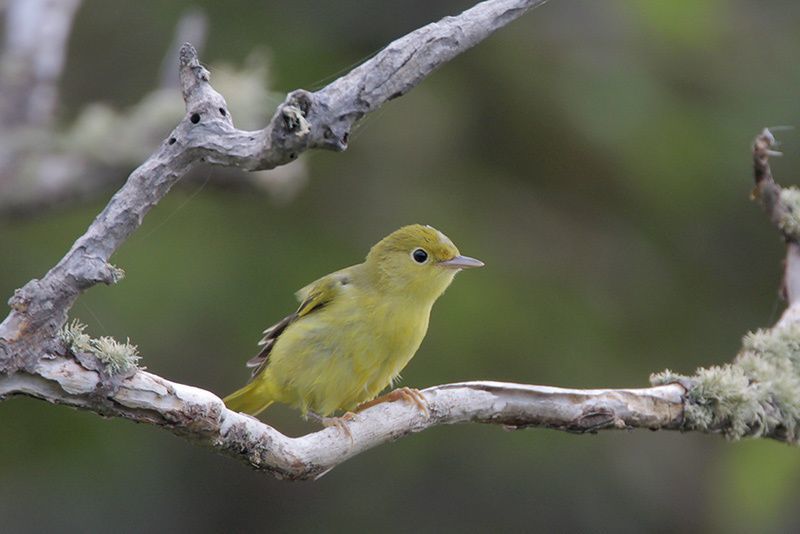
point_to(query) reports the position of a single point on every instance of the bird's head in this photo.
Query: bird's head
(417, 260)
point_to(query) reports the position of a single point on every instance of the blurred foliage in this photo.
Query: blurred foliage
(594, 154)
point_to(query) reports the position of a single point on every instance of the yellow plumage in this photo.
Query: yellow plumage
(355, 329)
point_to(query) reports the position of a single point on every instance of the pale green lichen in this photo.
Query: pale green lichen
(789, 222)
(756, 395)
(74, 336)
(667, 377)
(117, 273)
(117, 357)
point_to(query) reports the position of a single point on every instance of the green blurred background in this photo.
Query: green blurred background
(594, 154)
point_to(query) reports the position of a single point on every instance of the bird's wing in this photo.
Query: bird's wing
(312, 297)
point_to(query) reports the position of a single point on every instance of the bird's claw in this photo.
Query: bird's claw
(413, 395)
(406, 394)
(339, 423)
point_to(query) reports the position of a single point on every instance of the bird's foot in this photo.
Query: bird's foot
(410, 395)
(338, 422)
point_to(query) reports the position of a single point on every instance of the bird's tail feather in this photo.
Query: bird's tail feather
(251, 399)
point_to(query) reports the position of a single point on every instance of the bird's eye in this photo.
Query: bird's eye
(419, 255)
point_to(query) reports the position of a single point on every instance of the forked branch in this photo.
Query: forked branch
(322, 119)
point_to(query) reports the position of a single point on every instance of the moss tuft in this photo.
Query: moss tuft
(116, 357)
(73, 335)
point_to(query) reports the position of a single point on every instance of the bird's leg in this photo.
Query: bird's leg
(338, 422)
(411, 395)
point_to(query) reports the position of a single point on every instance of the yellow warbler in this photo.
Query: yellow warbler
(355, 329)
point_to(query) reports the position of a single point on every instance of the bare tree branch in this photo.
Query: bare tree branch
(783, 208)
(37, 172)
(766, 190)
(201, 416)
(206, 134)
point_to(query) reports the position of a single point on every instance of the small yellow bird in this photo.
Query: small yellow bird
(355, 329)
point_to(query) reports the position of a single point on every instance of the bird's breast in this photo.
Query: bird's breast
(397, 332)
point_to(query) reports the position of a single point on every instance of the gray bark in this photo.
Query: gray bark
(201, 416)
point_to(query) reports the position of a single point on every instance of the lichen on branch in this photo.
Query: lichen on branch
(758, 394)
(116, 357)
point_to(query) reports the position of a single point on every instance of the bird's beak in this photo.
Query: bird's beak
(461, 262)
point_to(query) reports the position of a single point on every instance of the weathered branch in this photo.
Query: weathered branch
(783, 208)
(41, 169)
(202, 416)
(766, 189)
(206, 134)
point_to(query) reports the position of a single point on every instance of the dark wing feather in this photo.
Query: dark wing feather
(271, 335)
(314, 297)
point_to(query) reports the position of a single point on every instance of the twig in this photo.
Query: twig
(783, 208)
(192, 28)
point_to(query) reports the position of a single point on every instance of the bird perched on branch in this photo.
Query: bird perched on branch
(355, 329)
